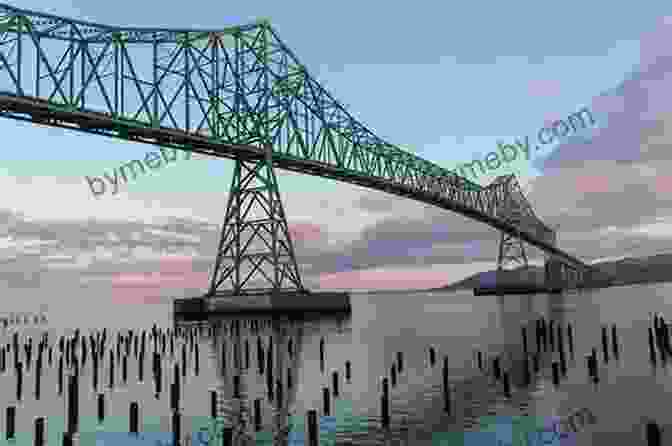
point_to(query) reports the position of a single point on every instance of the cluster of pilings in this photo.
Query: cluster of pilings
(14, 319)
(275, 387)
(550, 338)
(72, 355)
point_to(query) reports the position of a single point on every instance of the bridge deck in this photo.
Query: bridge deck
(40, 111)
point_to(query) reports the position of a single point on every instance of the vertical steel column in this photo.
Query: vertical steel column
(187, 82)
(19, 22)
(37, 67)
(71, 49)
(83, 48)
(155, 63)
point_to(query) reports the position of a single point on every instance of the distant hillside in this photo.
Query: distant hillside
(657, 268)
(532, 276)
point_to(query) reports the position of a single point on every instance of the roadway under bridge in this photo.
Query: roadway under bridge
(240, 93)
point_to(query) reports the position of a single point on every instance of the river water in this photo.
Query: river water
(630, 391)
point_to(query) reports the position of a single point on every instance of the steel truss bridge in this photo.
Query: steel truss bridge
(239, 93)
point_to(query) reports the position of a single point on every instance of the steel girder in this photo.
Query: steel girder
(226, 92)
(238, 85)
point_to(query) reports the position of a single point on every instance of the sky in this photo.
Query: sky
(445, 82)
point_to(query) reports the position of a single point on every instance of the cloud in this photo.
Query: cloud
(399, 277)
(654, 45)
(592, 183)
(543, 87)
(633, 117)
(306, 232)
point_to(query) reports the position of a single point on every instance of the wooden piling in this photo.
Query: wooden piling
(196, 361)
(141, 366)
(322, 353)
(385, 404)
(312, 428)
(325, 401)
(60, 375)
(605, 344)
(507, 384)
(653, 435)
(101, 408)
(257, 414)
(496, 368)
(570, 340)
(124, 369)
(614, 341)
(19, 381)
(73, 403)
(177, 432)
(133, 418)
(10, 425)
(527, 378)
(446, 386)
(236, 386)
(111, 378)
(39, 432)
(334, 377)
(556, 373)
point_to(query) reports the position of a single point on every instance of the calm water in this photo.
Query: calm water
(457, 325)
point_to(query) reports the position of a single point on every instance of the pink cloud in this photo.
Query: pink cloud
(305, 231)
(384, 280)
(173, 273)
(592, 183)
(663, 184)
(543, 87)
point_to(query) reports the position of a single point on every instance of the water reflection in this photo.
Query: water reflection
(262, 358)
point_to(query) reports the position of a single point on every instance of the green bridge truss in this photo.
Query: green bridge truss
(235, 93)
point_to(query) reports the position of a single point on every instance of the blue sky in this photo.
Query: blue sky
(445, 81)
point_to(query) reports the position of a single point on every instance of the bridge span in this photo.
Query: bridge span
(239, 93)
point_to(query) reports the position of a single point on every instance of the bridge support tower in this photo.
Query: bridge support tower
(255, 244)
(255, 269)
